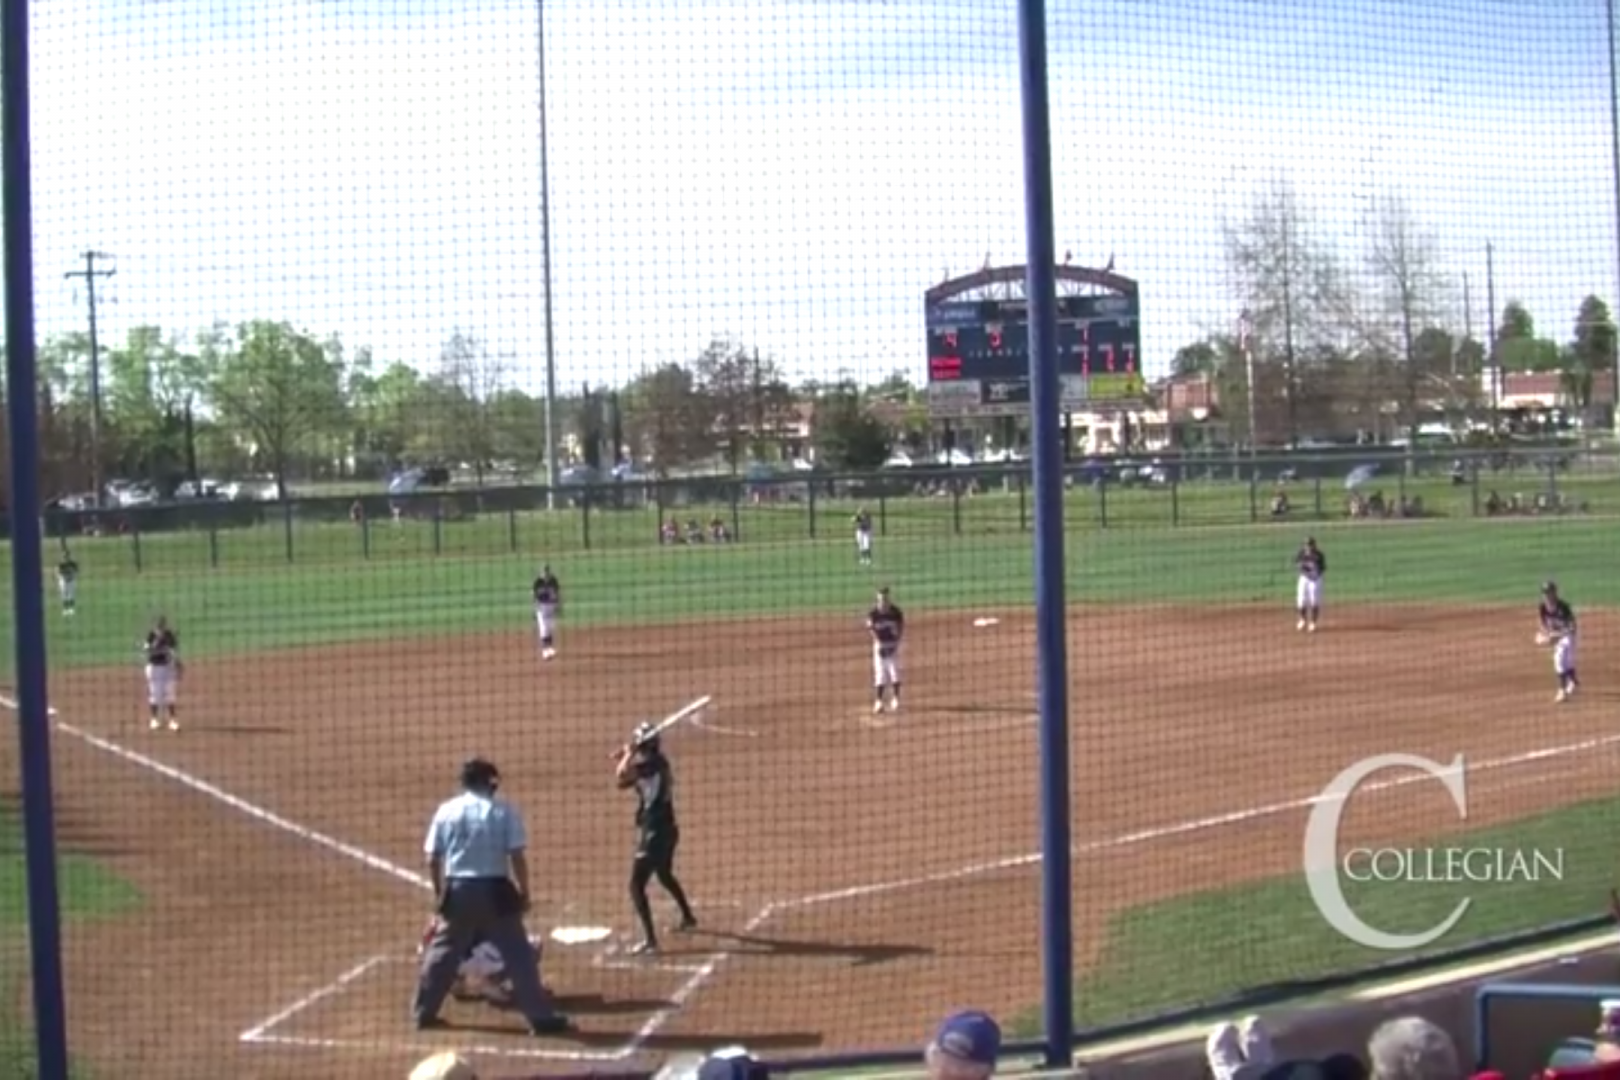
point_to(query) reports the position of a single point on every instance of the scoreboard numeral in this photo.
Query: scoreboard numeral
(994, 333)
(1130, 359)
(1085, 359)
(1108, 357)
(950, 339)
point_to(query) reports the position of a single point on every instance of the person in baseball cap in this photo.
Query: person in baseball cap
(965, 1047)
(729, 1063)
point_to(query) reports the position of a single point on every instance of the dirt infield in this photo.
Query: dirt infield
(853, 880)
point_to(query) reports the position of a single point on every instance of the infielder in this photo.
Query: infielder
(887, 625)
(161, 653)
(863, 537)
(1557, 622)
(547, 603)
(67, 582)
(1312, 565)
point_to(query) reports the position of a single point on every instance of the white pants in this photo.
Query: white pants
(863, 542)
(483, 964)
(160, 681)
(1564, 655)
(1308, 594)
(545, 620)
(68, 589)
(885, 669)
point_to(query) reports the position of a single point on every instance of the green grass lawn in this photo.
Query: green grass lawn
(87, 891)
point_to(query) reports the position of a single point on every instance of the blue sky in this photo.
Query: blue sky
(792, 173)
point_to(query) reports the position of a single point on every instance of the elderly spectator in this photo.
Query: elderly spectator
(446, 1066)
(965, 1047)
(1412, 1048)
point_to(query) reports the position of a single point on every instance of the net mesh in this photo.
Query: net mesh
(358, 316)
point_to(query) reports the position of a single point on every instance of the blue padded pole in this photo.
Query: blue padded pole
(22, 397)
(1046, 452)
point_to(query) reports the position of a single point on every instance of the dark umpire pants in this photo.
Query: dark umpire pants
(480, 909)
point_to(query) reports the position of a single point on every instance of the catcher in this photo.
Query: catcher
(1557, 629)
(482, 976)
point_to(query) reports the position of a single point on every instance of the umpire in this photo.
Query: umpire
(475, 855)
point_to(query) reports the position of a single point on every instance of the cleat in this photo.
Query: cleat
(1561, 697)
(894, 704)
(174, 725)
(1300, 626)
(687, 924)
(1310, 628)
(645, 947)
(877, 707)
(154, 724)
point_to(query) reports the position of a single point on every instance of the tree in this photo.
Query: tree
(1517, 346)
(1289, 283)
(277, 386)
(589, 427)
(1198, 358)
(472, 376)
(150, 389)
(749, 395)
(1591, 355)
(846, 435)
(667, 420)
(385, 408)
(1409, 300)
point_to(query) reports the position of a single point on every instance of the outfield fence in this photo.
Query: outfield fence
(317, 240)
(915, 505)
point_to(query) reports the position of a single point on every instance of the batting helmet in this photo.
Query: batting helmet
(645, 737)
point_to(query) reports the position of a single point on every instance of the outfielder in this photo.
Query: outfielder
(1557, 622)
(547, 603)
(887, 625)
(161, 652)
(863, 537)
(67, 582)
(1312, 566)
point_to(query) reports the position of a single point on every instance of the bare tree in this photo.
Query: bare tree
(1291, 285)
(474, 377)
(1410, 294)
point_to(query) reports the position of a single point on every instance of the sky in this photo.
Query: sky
(791, 174)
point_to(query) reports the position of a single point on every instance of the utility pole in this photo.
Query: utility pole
(1490, 328)
(1468, 321)
(1245, 333)
(90, 274)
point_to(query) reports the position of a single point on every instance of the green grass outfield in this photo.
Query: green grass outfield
(254, 606)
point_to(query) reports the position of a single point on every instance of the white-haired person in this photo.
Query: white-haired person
(1243, 1051)
(965, 1047)
(1412, 1048)
(446, 1066)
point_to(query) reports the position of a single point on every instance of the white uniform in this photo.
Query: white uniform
(1308, 590)
(547, 596)
(67, 588)
(1563, 654)
(162, 668)
(863, 537)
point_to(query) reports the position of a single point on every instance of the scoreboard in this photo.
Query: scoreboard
(978, 354)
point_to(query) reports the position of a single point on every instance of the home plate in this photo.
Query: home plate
(981, 623)
(580, 935)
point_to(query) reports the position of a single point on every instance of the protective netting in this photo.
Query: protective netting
(353, 318)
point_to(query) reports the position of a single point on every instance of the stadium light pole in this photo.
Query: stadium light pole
(552, 471)
(1614, 175)
(1245, 331)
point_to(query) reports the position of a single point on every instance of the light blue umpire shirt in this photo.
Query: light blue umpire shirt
(474, 834)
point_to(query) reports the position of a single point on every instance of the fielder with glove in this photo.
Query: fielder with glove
(1557, 629)
(161, 654)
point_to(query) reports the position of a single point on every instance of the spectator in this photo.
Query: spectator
(730, 1063)
(965, 1047)
(1239, 1052)
(446, 1066)
(1411, 1048)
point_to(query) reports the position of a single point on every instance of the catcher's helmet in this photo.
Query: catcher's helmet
(645, 737)
(479, 774)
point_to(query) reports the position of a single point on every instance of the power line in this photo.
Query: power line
(90, 274)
